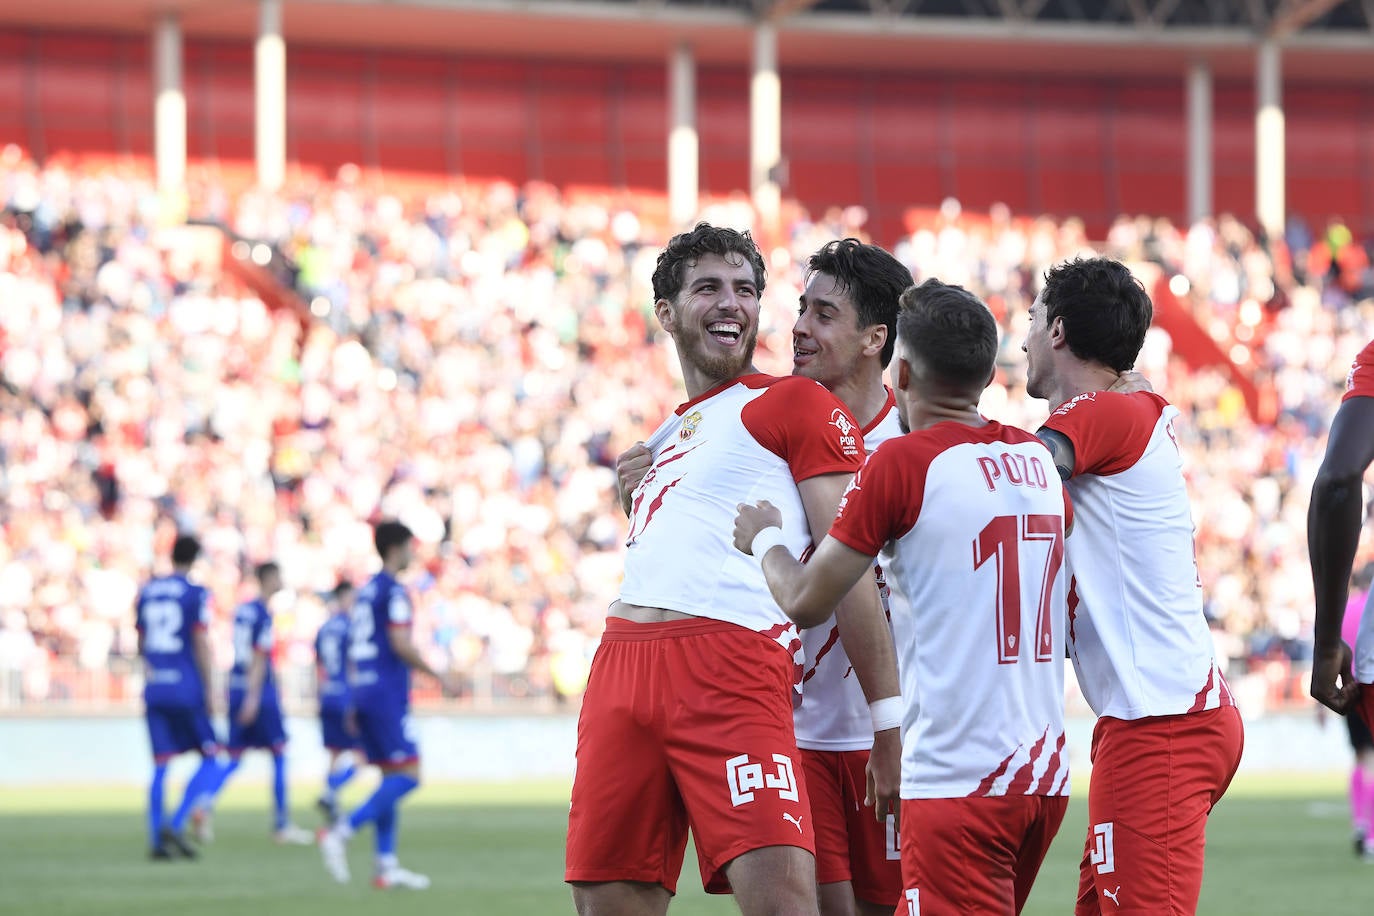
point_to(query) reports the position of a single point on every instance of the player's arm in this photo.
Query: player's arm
(1333, 535)
(1061, 449)
(200, 654)
(808, 594)
(404, 646)
(252, 694)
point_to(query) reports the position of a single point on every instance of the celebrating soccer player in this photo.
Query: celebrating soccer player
(1169, 736)
(969, 521)
(688, 712)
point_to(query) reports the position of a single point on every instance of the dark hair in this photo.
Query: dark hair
(950, 330)
(690, 246)
(185, 549)
(343, 585)
(263, 570)
(873, 279)
(388, 535)
(1106, 310)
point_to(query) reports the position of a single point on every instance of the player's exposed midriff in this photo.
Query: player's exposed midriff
(639, 614)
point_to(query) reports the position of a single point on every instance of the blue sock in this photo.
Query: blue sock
(279, 791)
(386, 831)
(223, 771)
(203, 783)
(336, 781)
(155, 804)
(393, 788)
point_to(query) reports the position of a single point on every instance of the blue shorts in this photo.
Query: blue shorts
(334, 730)
(174, 730)
(386, 736)
(266, 731)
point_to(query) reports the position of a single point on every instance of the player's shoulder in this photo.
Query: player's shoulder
(1108, 406)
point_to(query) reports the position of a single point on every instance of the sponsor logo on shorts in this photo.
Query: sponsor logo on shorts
(1112, 894)
(794, 821)
(1104, 852)
(745, 777)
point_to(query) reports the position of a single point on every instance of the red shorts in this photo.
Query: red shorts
(684, 722)
(1154, 783)
(850, 844)
(975, 856)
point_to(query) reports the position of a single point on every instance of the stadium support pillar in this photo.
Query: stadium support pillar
(169, 105)
(1269, 139)
(682, 136)
(269, 91)
(765, 124)
(1199, 141)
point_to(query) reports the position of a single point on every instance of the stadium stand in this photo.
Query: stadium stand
(481, 353)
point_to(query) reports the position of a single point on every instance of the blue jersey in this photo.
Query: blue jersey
(169, 609)
(331, 646)
(379, 679)
(252, 635)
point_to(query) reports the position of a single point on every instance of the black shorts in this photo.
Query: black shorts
(1360, 738)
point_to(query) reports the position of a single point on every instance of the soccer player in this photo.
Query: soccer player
(255, 719)
(337, 728)
(676, 726)
(172, 614)
(1168, 738)
(381, 655)
(844, 336)
(969, 520)
(1333, 536)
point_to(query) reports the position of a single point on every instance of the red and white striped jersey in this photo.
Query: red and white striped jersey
(746, 440)
(1137, 634)
(970, 524)
(833, 715)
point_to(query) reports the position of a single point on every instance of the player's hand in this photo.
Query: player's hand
(1129, 382)
(630, 469)
(884, 773)
(248, 712)
(1333, 679)
(750, 520)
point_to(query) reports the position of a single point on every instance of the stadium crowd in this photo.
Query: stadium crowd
(481, 354)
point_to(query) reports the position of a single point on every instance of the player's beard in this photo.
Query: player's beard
(697, 350)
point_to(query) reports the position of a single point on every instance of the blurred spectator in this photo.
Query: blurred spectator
(483, 353)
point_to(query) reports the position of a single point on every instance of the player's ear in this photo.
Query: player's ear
(663, 310)
(874, 339)
(902, 377)
(1058, 336)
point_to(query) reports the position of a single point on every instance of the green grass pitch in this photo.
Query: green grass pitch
(1277, 845)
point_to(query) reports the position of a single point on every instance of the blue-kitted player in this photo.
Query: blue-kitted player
(172, 614)
(337, 728)
(381, 655)
(255, 718)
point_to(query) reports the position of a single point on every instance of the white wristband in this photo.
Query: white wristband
(886, 713)
(766, 540)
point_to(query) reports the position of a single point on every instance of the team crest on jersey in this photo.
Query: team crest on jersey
(689, 426)
(840, 421)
